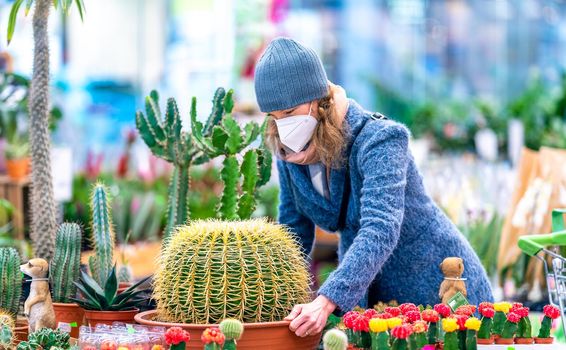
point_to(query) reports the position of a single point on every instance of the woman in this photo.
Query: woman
(345, 170)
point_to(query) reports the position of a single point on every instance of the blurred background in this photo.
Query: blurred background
(480, 84)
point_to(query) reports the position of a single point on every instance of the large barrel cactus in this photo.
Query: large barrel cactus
(66, 263)
(10, 280)
(251, 270)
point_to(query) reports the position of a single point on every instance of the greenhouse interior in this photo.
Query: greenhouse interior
(282, 174)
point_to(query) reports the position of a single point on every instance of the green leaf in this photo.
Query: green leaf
(88, 297)
(90, 283)
(111, 286)
(229, 102)
(234, 142)
(12, 19)
(251, 131)
(81, 7)
(28, 6)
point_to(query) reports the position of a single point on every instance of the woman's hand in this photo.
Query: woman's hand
(307, 319)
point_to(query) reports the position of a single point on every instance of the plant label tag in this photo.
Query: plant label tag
(74, 324)
(64, 327)
(130, 329)
(457, 300)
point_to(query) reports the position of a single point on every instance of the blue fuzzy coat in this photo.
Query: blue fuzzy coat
(394, 237)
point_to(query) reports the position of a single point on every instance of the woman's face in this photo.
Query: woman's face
(297, 110)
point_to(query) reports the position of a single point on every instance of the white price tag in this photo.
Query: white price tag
(62, 170)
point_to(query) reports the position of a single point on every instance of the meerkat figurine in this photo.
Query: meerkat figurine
(38, 307)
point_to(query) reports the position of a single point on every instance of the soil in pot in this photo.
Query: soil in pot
(544, 340)
(523, 340)
(504, 341)
(264, 335)
(21, 330)
(69, 317)
(17, 169)
(92, 318)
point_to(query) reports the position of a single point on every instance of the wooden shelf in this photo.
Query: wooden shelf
(15, 192)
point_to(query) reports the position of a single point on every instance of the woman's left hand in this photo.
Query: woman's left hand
(308, 319)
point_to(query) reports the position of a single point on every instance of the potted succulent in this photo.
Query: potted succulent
(524, 331)
(472, 325)
(400, 335)
(213, 339)
(509, 329)
(103, 304)
(7, 326)
(17, 159)
(461, 320)
(418, 338)
(335, 339)
(499, 319)
(357, 329)
(379, 335)
(450, 326)
(232, 330)
(11, 289)
(432, 317)
(46, 339)
(177, 338)
(550, 313)
(64, 271)
(484, 333)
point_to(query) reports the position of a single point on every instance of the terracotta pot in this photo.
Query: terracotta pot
(262, 335)
(504, 341)
(488, 341)
(21, 331)
(69, 317)
(544, 340)
(122, 286)
(439, 346)
(17, 169)
(523, 340)
(92, 318)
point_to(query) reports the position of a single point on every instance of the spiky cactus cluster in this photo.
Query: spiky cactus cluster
(227, 138)
(335, 339)
(10, 280)
(102, 235)
(6, 330)
(248, 270)
(66, 263)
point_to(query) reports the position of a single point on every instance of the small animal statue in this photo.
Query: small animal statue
(452, 269)
(38, 307)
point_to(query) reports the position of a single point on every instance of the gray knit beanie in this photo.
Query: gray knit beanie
(288, 74)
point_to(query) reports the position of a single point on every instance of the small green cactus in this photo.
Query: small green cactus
(47, 339)
(335, 339)
(259, 265)
(485, 328)
(102, 234)
(6, 330)
(10, 280)
(232, 330)
(64, 269)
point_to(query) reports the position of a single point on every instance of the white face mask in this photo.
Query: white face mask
(296, 131)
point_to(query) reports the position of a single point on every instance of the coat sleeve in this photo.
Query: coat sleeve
(383, 156)
(301, 226)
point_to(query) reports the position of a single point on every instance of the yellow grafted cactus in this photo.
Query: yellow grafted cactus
(449, 324)
(211, 270)
(502, 306)
(473, 324)
(378, 325)
(394, 322)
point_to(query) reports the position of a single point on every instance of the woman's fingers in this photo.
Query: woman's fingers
(294, 313)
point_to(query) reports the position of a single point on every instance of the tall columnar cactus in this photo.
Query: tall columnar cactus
(258, 265)
(7, 325)
(64, 269)
(228, 139)
(10, 280)
(335, 339)
(43, 206)
(102, 234)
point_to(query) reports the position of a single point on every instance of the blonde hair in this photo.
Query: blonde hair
(329, 137)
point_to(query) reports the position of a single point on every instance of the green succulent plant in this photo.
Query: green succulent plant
(46, 339)
(106, 297)
(17, 149)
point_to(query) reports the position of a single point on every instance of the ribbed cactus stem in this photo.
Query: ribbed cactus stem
(181, 346)
(10, 280)
(545, 327)
(471, 340)
(213, 346)
(178, 203)
(498, 322)
(509, 330)
(400, 344)
(432, 337)
(380, 341)
(421, 340)
(335, 339)
(229, 199)
(64, 269)
(451, 341)
(525, 328)
(102, 232)
(249, 170)
(485, 328)
(462, 340)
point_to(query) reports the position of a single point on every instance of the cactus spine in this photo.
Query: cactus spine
(335, 339)
(232, 330)
(103, 235)
(258, 265)
(6, 330)
(66, 263)
(10, 280)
